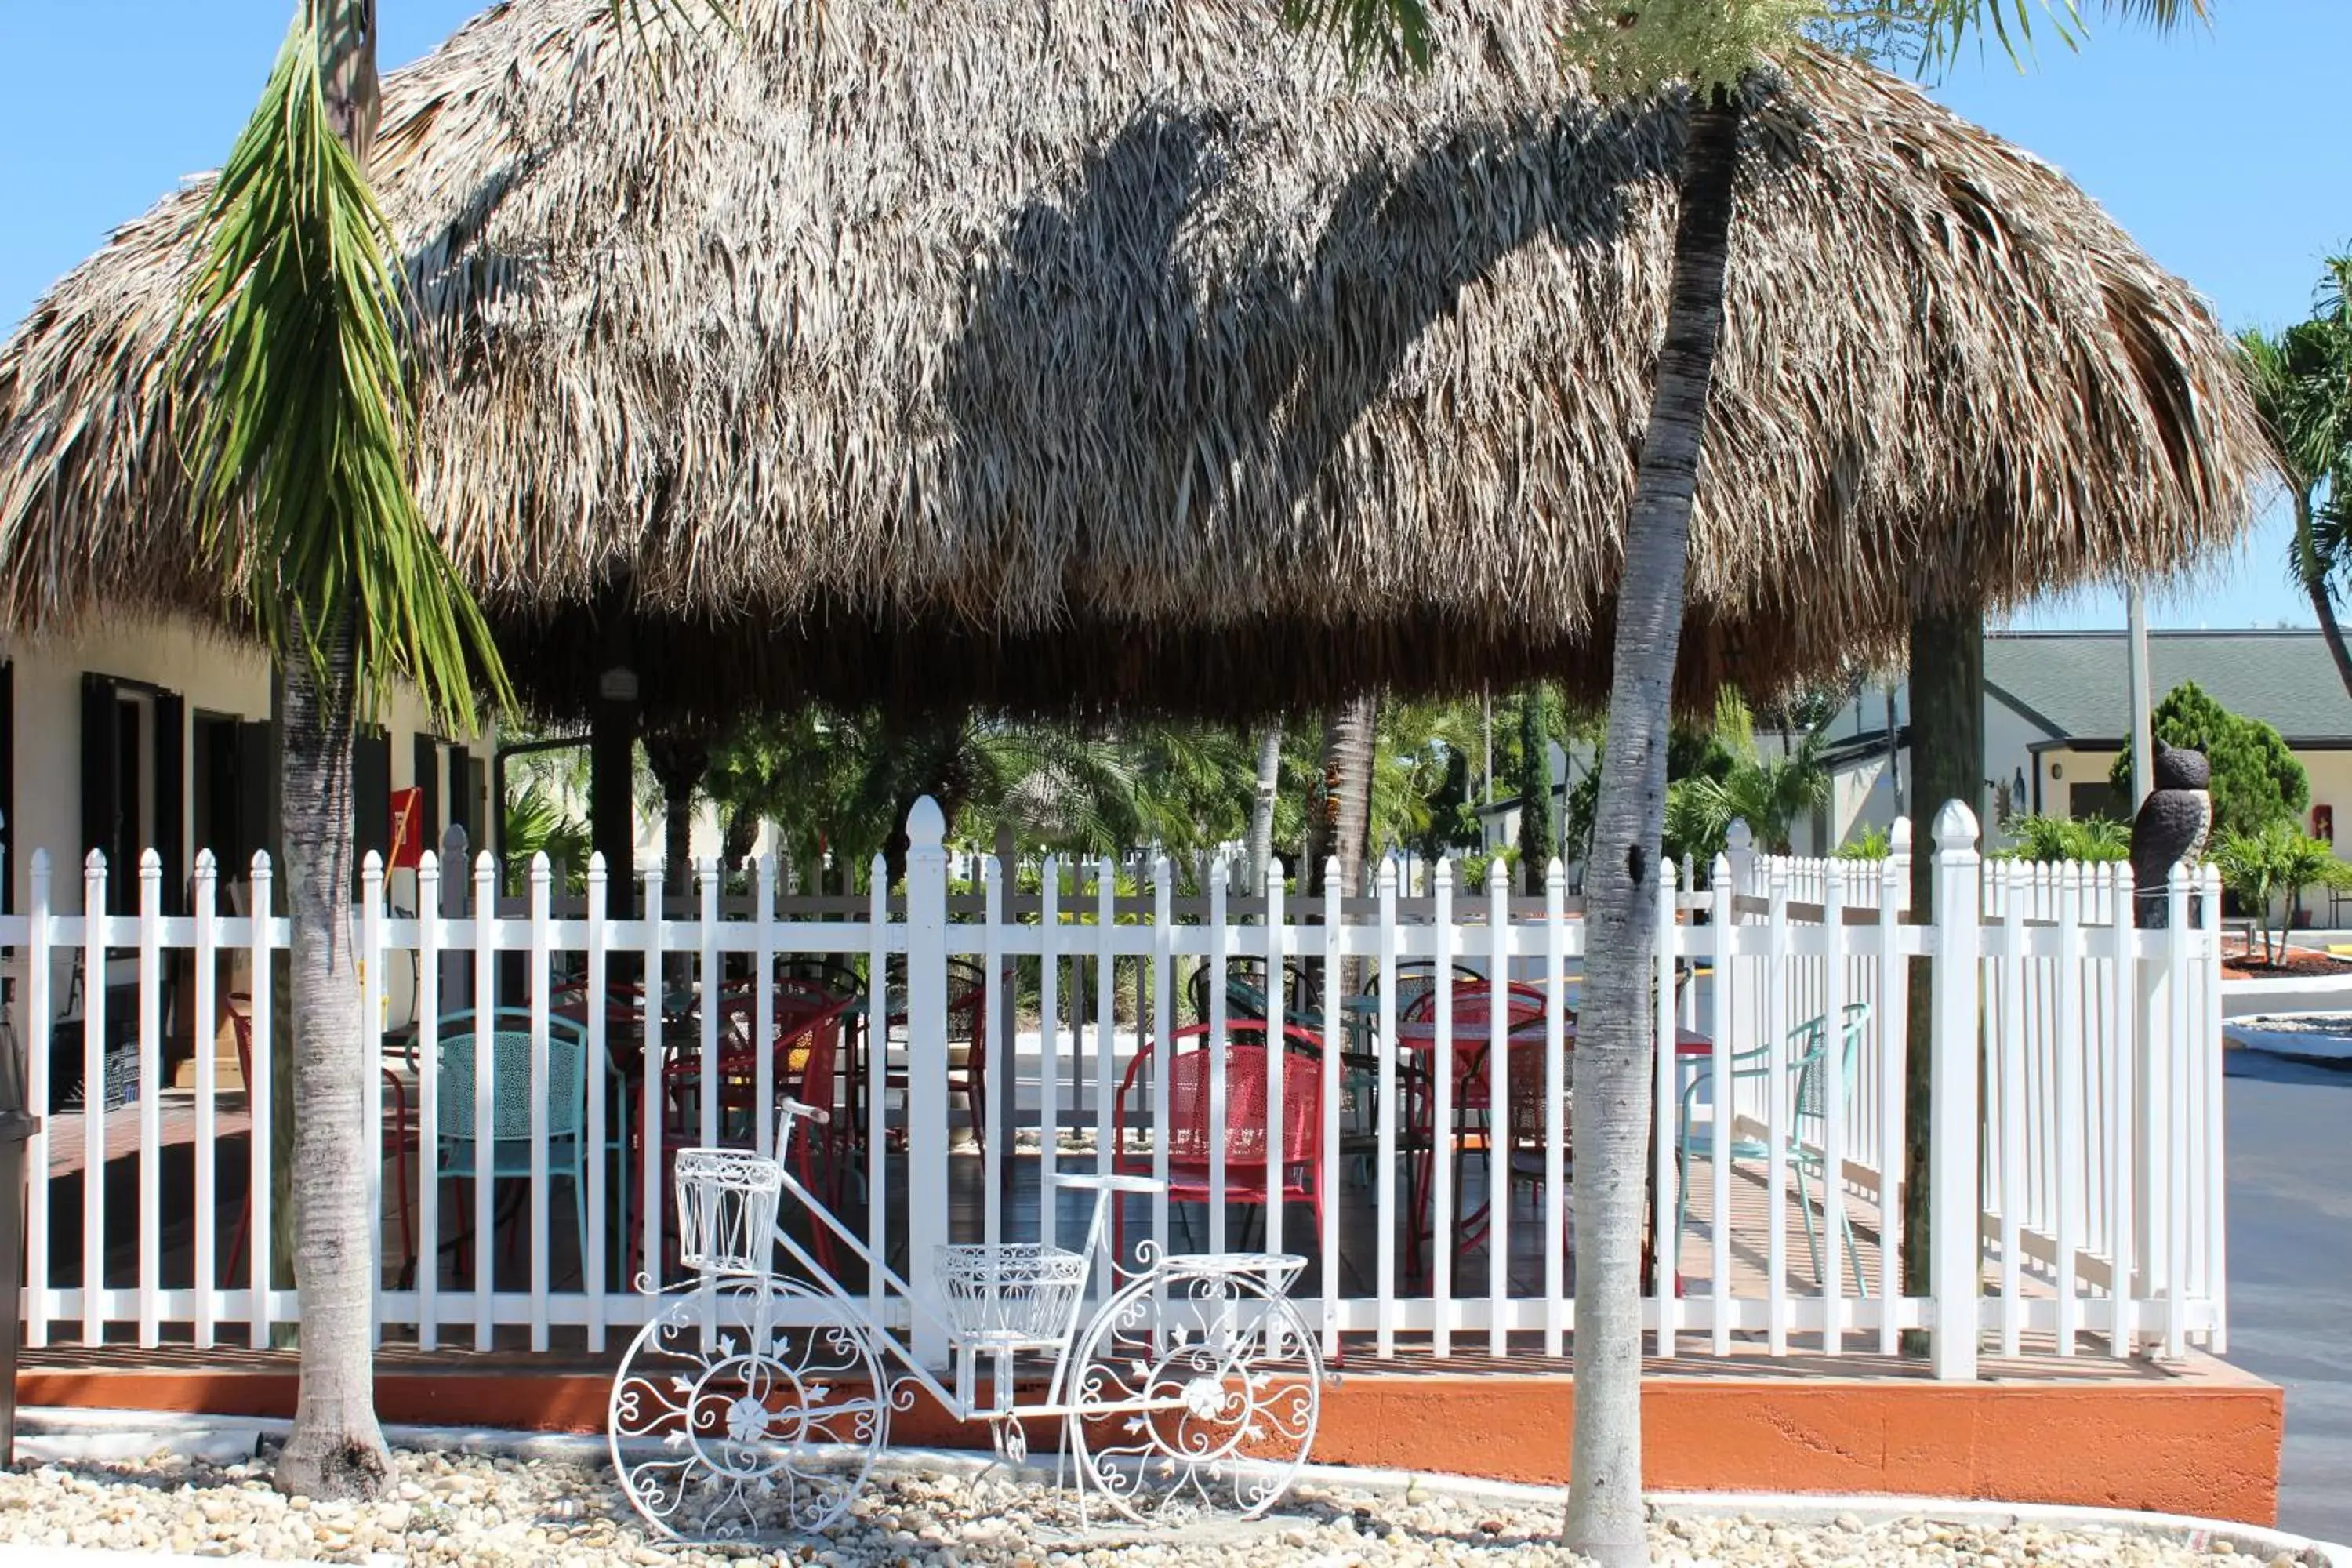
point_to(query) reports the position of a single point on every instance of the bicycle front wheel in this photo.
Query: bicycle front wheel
(1194, 1390)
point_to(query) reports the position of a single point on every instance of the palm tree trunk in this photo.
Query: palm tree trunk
(335, 1450)
(1947, 763)
(1347, 786)
(742, 836)
(680, 762)
(1614, 1028)
(1269, 780)
(2313, 573)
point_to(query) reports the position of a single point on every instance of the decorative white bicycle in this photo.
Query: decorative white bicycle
(752, 1406)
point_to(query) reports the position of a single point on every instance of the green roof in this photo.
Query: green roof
(2075, 685)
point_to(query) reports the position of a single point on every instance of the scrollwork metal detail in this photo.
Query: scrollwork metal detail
(747, 1411)
(1206, 1397)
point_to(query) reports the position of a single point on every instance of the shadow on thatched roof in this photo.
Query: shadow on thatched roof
(1091, 354)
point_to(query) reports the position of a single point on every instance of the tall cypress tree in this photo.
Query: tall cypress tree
(1537, 836)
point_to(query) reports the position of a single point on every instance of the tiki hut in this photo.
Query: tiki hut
(1066, 354)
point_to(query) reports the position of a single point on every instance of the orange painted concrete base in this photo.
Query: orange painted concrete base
(2204, 1442)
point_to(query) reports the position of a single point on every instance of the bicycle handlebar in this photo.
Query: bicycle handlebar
(792, 1110)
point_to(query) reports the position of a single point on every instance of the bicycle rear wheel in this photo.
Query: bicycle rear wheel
(748, 1411)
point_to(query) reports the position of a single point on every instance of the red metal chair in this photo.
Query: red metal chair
(967, 1045)
(809, 1024)
(1190, 1140)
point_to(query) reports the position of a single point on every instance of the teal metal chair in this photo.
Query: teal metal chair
(1806, 1060)
(458, 1034)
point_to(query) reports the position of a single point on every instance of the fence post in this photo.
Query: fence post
(926, 1057)
(1739, 848)
(1953, 1155)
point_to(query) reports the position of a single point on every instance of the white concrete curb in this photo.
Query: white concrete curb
(2289, 993)
(2302, 1045)
(120, 1431)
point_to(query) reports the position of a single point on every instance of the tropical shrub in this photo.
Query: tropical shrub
(1472, 870)
(536, 821)
(2274, 864)
(2256, 780)
(1869, 844)
(2084, 839)
(1769, 794)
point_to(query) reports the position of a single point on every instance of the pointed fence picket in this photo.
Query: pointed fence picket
(2076, 1182)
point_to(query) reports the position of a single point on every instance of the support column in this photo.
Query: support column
(1946, 764)
(613, 763)
(926, 1057)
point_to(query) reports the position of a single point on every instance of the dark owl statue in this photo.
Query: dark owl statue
(2170, 829)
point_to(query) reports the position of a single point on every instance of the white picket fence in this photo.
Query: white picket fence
(2076, 1178)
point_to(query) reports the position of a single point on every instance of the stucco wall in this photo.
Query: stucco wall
(214, 677)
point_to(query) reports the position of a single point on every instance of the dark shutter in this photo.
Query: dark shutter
(428, 786)
(461, 793)
(370, 795)
(257, 797)
(101, 804)
(172, 798)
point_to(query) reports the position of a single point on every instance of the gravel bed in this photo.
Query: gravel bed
(476, 1510)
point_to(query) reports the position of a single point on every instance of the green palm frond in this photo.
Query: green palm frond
(1945, 26)
(298, 454)
(1393, 33)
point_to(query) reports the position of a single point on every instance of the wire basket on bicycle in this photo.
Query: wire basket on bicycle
(1015, 1293)
(726, 1210)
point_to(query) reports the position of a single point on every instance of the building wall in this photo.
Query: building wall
(2330, 772)
(2331, 786)
(2069, 773)
(215, 679)
(1861, 797)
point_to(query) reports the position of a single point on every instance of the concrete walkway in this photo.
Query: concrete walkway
(2290, 1217)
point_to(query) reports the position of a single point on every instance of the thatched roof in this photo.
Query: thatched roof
(1070, 352)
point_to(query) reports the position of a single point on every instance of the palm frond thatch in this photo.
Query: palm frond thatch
(1137, 354)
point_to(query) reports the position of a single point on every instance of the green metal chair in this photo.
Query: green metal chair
(566, 1090)
(1805, 1059)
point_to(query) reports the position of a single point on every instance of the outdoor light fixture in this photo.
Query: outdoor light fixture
(618, 684)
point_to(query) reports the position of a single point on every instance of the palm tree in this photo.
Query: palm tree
(1768, 794)
(1349, 743)
(844, 781)
(2301, 383)
(1719, 53)
(1268, 789)
(300, 456)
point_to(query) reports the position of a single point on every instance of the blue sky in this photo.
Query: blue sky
(2211, 148)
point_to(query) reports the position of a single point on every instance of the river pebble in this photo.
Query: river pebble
(489, 1512)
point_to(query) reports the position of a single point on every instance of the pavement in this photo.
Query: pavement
(2290, 1217)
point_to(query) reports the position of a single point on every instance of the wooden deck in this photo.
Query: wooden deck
(68, 1129)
